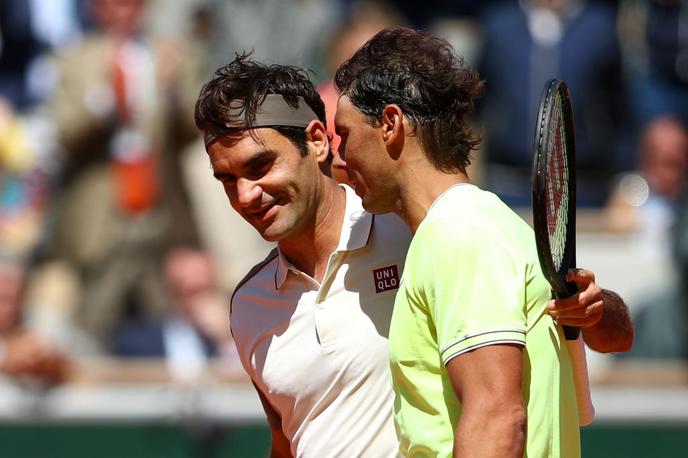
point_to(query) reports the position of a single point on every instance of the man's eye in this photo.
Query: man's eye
(226, 179)
(342, 149)
(258, 171)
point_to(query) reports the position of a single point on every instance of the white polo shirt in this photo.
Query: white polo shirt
(319, 352)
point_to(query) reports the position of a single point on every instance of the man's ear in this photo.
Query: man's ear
(319, 139)
(393, 128)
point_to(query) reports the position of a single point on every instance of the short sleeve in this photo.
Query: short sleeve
(474, 287)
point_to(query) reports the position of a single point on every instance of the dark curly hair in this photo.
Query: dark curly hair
(244, 84)
(431, 84)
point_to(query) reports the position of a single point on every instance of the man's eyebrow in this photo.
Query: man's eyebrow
(259, 158)
(219, 175)
(255, 161)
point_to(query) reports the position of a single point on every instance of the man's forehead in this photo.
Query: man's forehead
(344, 110)
(343, 102)
(259, 136)
(246, 143)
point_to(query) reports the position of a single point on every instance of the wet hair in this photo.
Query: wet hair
(243, 84)
(432, 85)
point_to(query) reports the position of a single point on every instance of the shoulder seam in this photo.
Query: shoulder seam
(252, 273)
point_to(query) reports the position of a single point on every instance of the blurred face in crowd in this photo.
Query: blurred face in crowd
(191, 277)
(121, 17)
(268, 180)
(664, 157)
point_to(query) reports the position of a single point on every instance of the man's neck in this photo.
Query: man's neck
(422, 185)
(310, 252)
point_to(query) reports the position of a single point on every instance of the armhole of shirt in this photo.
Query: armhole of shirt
(257, 268)
(274, 419)
(251, 273)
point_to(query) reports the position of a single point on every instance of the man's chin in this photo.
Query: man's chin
(371, 206)
(266, 228)
(270, 237)
(271, 233)
(358, 190)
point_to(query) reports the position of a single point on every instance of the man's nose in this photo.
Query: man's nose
(338, 160)
(248, 192)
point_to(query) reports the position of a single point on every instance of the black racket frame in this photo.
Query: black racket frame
(556, 277)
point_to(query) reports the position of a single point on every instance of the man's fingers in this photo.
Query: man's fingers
(575, 302)
(591, 294)
(589, 315)
(586, 322)
(581, 277)
(563, 305)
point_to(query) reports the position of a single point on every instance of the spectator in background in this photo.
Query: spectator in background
(525, 44)
(121, 110)
(196, 326)
(291, 32)
(25, 182)
(19, 45)
(645, 202)
(653, 204)
(434, 10)
(28, 32)
(24, 355)
(661, 322)
(659, 78)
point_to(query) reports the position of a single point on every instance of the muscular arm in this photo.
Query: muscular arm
(601, 314)
(614, 331)
(280, 444)
(487, 382)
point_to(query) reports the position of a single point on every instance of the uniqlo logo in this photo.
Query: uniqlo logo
(386, 278)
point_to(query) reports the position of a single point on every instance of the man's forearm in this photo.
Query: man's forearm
(614, 332)
(491, 434)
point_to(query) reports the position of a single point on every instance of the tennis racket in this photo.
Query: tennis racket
(554, 190)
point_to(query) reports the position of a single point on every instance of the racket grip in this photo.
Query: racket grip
(571, 332)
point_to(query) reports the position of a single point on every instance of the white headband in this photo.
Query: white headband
(273, 112)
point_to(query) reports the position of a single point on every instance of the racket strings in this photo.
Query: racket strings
(557, 183)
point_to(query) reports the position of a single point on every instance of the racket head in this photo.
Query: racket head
(554, 187)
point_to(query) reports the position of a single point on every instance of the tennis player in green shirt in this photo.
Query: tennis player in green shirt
(479, 366)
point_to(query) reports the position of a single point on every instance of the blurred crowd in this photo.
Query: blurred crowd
(116, 241)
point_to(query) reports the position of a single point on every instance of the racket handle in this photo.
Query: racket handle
(571, 332)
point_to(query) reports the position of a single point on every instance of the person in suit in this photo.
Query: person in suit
(525, 44)
(196, 326)
(120, 121)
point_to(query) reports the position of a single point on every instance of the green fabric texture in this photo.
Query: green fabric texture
(472, 278)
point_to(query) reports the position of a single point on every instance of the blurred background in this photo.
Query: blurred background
(119, 251)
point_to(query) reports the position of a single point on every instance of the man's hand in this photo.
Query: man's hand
(601, 314)
(585, 308)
